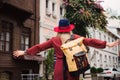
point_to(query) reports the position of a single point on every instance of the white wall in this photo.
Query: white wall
(48, 20)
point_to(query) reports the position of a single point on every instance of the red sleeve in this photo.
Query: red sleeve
(39, 47)
(76, 36)
(94, 43)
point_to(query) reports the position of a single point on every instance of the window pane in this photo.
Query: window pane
(24, 43)
(46, 3)
(22, 40)
(53, 7)
(7, 36)
(27, 40)
(1, 46)
(61, 9)
(2, 36)
(22, 46)
(25, 37)
(7, 46)
(26, 47)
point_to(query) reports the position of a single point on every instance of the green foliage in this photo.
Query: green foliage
(93, 70)
(96, 70)
(49, 63)
(118, 17)
(85, 13)
(99, 70)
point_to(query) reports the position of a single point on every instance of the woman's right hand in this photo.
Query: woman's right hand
(18, 53)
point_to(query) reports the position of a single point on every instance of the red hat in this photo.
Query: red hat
(64, 26)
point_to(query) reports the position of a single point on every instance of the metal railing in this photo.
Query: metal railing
(30, 76)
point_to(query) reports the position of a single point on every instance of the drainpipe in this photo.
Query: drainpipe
(35, 24)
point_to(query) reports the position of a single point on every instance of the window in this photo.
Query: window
(5, 36)
(104, 37)
(105, 58)
(101, 58)
(93, 34)
(61, 10)
(25, 38)
(94, 56)
(53, 10)
(108, 39)
(116, 59)
(99, 35)
(109, 60)
(53, 7)
(48, 13)
(46, 3)
(113, 60)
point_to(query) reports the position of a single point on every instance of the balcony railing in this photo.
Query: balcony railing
(30, 76)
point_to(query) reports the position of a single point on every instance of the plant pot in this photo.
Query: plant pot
(94, 76)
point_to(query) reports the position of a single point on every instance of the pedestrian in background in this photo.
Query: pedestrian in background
(64, 32)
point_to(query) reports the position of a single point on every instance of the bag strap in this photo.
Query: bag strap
(64, 59)
(71, 38)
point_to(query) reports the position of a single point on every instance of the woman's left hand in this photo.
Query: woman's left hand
(112, 44)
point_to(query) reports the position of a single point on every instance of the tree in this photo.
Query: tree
(83, 14)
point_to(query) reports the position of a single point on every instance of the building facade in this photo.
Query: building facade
(114, 26)
(118, 33)
(19, 29)
(50, 13)
(107, 57)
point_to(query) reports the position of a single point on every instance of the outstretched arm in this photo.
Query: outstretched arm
(99, 43)
(34, 49)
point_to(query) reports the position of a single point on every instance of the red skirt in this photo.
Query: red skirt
(59, 73)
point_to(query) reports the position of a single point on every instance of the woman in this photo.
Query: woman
(63, 33)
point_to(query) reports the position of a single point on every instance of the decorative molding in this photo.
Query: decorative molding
(48, 12)
(46, 26)
(54, 15)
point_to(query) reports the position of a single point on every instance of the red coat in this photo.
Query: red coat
(55, 43)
